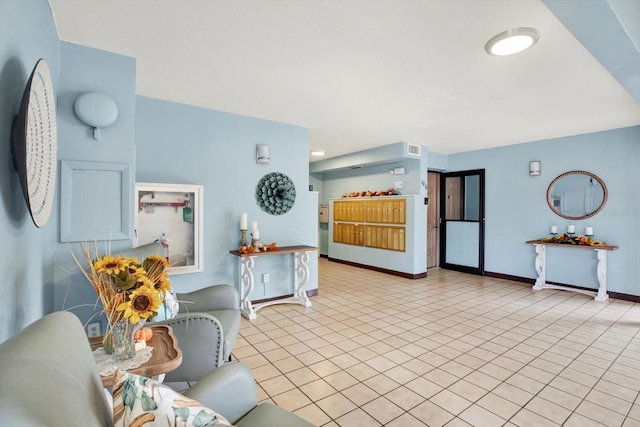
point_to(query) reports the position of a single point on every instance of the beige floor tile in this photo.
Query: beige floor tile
(431, 414)
(292, 400)
(457, 369)
(401, 375)
(477, 416)
(570, 387)
(381, 363)
(381, 384)
(262, 395)
(310, 357)
(340, 380)
(317, 389)
(254, 361)
(450, 402)
(297, 348)
(344, 360)
(482, 380)
(302, 376)
(577, 420)
(324, 368)
(440, 377)
(498, 405)
(360, 394)
(493, 346)
(549, 410)
(288, 364)
(357, 418)
(424, 387)
(336, 405)
(275, 386)
(526, 418)
(495, 371)
(361, 371)
(526, 383)
(406, 420)
(405, 398)
(467, 390)
(608, 401)
(383, 410)
(264, 372)
(329, 351)
(600, 414)
(513, 394)
(458, 422)
(313, 414)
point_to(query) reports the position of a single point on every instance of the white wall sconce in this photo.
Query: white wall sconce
(535, 167)
(96, 110)
(262, 154)
(397, 171)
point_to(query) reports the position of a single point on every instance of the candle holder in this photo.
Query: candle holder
(255, 243)
(243, 237)
(554, 234)
(571, 234)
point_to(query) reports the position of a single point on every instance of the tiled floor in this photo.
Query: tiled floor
(452, 349)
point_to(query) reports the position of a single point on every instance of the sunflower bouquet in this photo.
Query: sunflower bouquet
(127, 288)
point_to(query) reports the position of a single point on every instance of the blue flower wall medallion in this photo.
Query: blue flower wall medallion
(275, 193)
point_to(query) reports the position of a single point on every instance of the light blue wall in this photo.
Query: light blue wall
(84, 69)
(516, 207)
(183, 144)
(27, 33)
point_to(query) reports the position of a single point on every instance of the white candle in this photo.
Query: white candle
(589, 231)
(554, 229)
(254, 226)
(243, 221)
(256, 234)
(571, 229)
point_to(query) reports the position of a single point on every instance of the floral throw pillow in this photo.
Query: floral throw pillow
(142, 401)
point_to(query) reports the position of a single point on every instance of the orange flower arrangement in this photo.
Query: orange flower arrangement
(564, 239)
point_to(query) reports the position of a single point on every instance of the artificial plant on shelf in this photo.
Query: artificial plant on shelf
(130, 291)
(565, 239)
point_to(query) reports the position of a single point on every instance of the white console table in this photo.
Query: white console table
(300, 278)
(601, 271)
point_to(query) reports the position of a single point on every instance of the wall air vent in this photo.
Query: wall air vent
(413, 150)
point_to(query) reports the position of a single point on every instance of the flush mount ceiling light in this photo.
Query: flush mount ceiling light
(318, 153)
(512, 41)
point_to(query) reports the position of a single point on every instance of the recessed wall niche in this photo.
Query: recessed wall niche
(172, 215)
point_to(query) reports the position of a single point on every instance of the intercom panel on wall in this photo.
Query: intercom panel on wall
(323, 214)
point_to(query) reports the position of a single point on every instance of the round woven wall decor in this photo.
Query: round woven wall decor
(275, 193)
(34, 144)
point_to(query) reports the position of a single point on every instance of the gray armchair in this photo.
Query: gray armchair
(49, 377)
(206, 326)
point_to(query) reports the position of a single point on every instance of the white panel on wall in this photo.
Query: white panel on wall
(459, 234)
(95, 201)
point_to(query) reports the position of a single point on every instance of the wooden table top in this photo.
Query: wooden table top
(282, 250)
(567, 245)
(166, 355)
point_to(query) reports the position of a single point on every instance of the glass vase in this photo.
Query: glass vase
(122, 339)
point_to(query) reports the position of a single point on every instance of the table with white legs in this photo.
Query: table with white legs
(300, 278)
(601, 270)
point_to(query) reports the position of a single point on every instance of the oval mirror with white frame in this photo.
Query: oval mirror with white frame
(171, 214)
(577, 195)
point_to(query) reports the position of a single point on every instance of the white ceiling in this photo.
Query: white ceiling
(361, 74)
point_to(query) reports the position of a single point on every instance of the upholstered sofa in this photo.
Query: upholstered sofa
(49, 378)
(206, 326)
